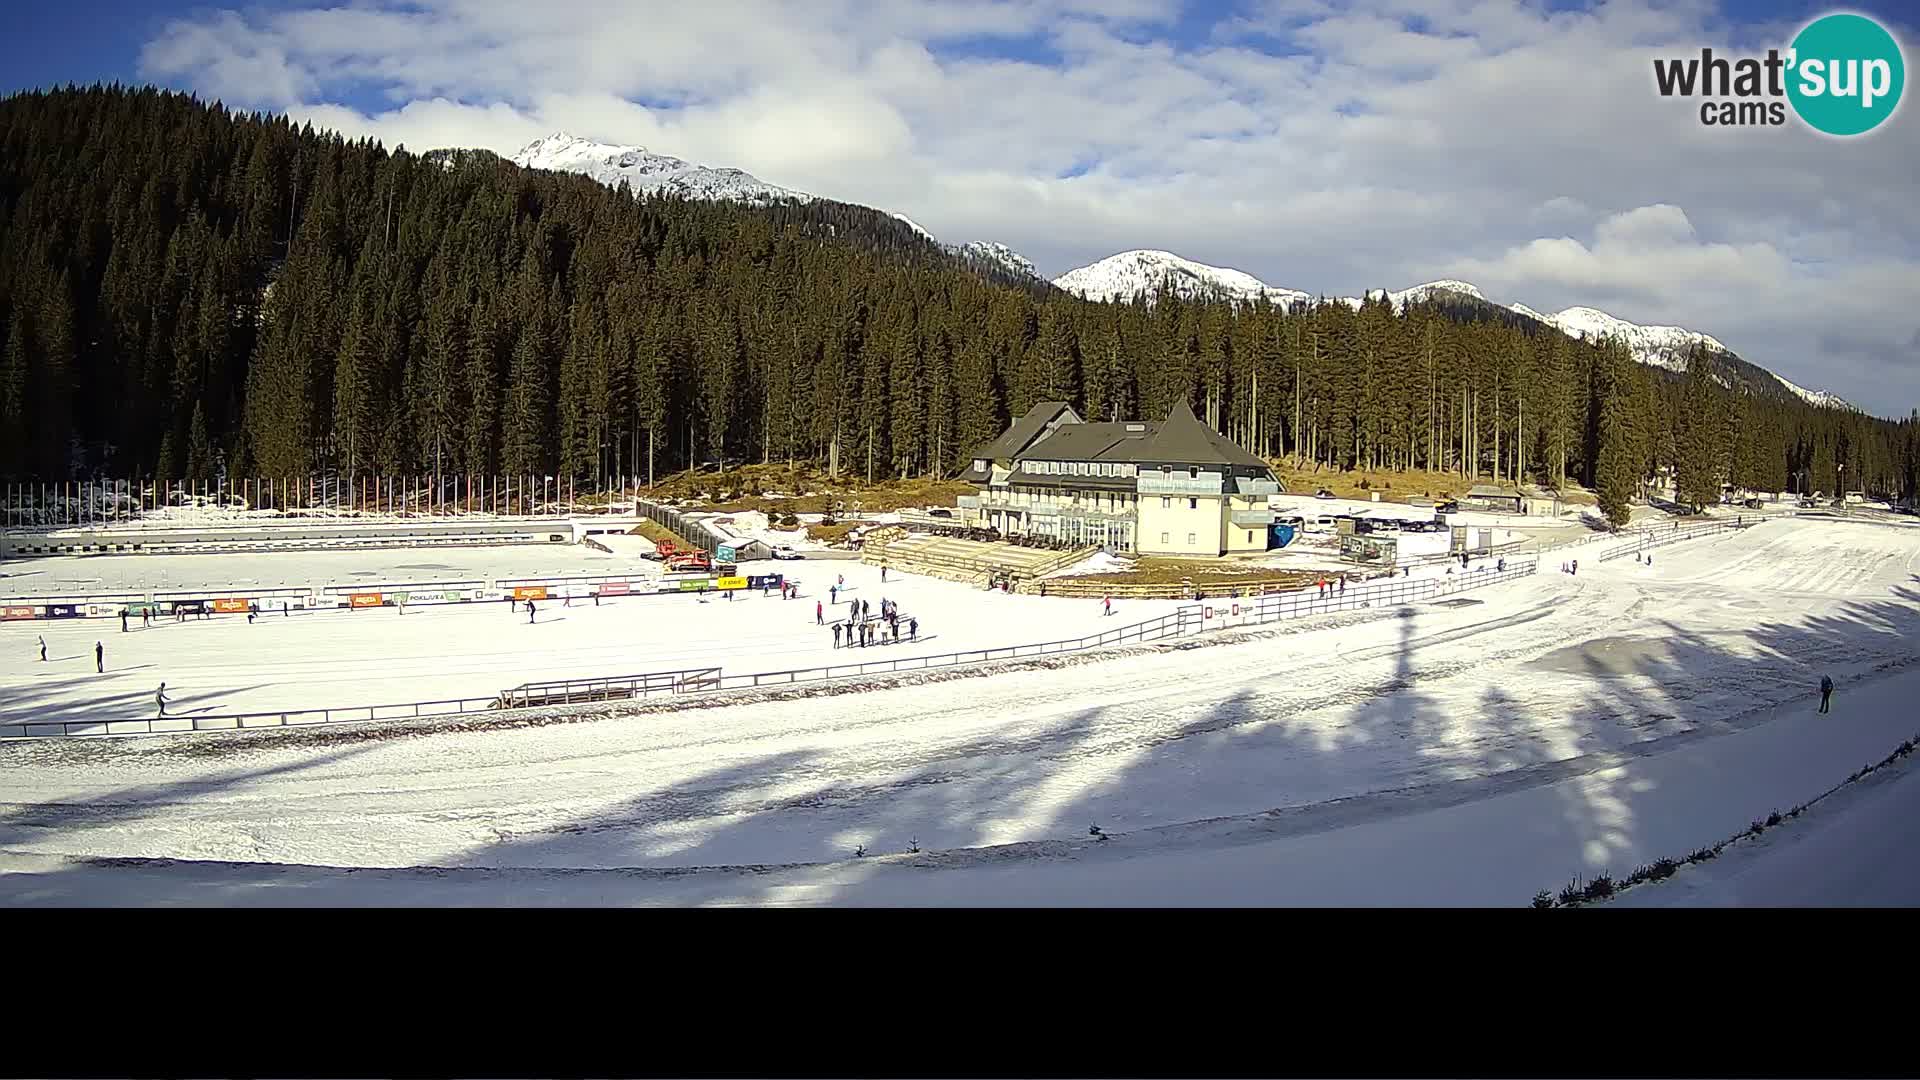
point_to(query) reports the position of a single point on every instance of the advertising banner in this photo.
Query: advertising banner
(731, 583)
(723, 553)
(530, 592)
(364, 599)
(694, 585)
(234, 604)
(191, 607)
(62, 611)
(613, 588)
(764, 581)
(19, 612)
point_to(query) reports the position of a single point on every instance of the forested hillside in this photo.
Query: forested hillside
(186, 290)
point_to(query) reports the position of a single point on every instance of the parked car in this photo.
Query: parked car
(785, 551)
(1753, 504)
(1323, 493)
(940, 512)
(1451, 506)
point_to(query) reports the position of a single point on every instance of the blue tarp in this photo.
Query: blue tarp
(1282, 535)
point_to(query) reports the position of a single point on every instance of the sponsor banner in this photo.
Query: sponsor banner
(235, 604)
(723, 553)
(142, 608)
(530, 592)
(695, 585)
(764, 581)
(97, 609)
(62, 611)
(730, 583)
(364, 599)
(191, 607)
(613, 588)
(19, 613)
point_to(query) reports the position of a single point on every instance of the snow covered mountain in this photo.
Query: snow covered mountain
(650, 173)
(1000, 255)
(1131, 273)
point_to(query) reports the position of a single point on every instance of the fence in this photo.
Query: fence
(693, 532)
(165, 725)
(608, 688)
(1648, 539)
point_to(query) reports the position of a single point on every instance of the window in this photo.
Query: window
(1193, 504)
(1166, 502)
(1190, 540)
(1163, 538)
(1193, 472)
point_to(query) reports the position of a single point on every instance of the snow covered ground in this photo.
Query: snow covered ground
(338, 658)
(1433, 754)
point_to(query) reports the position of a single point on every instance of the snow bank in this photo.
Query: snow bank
(1100, 562)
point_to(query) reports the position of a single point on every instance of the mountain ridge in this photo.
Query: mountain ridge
(1126, 274)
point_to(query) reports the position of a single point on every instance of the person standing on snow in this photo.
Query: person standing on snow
(833, 594)
(836, 635)
(43, 650)
(160, 699)
(99, 658)
(913, 629)
(819, 614)
(1106, 606)
(1826, 693)
(529, 612)
(123, 620)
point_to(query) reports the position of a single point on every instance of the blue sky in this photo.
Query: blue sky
(1325, 145)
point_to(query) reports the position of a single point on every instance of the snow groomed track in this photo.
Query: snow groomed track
(1348, 746)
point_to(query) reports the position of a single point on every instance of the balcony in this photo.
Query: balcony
(968, 502)
(1157, 483)
(1252, 519)
(1247, 486)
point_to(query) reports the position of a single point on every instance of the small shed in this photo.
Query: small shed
(1493, 497)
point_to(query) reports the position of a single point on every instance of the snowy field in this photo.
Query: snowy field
(1462, 754)
(339, 658)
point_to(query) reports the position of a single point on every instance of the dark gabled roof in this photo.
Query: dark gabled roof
(1183, 438)
(1491, 491)
(1092, 442)
(1024, 430)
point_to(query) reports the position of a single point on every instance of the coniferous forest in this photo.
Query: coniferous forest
(187, 291)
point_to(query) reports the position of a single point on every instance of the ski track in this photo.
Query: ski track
(1377, 705)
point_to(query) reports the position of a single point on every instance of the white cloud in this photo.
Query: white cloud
(1394, 141)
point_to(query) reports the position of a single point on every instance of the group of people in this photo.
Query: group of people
(863, 628)
(1572, 567)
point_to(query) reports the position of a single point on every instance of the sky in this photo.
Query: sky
(1324, 145)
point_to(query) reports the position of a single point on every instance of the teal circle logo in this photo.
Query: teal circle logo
(1846, 74)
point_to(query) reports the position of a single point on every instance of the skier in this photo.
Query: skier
(1826, 692)
(819, 614)
(1106, 606)
(43, 650)
(913, 629)
(123, 620)
(833, 594)
(836, 635)
(99, 658)
(529, 612)
(160, 698)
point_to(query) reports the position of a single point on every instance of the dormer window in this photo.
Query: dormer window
(1193, 472)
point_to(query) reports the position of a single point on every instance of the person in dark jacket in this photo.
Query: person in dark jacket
(43, 650)
(1826, 693)
(836, 635)
(123, 621)
(529, 612)
(99, 658)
